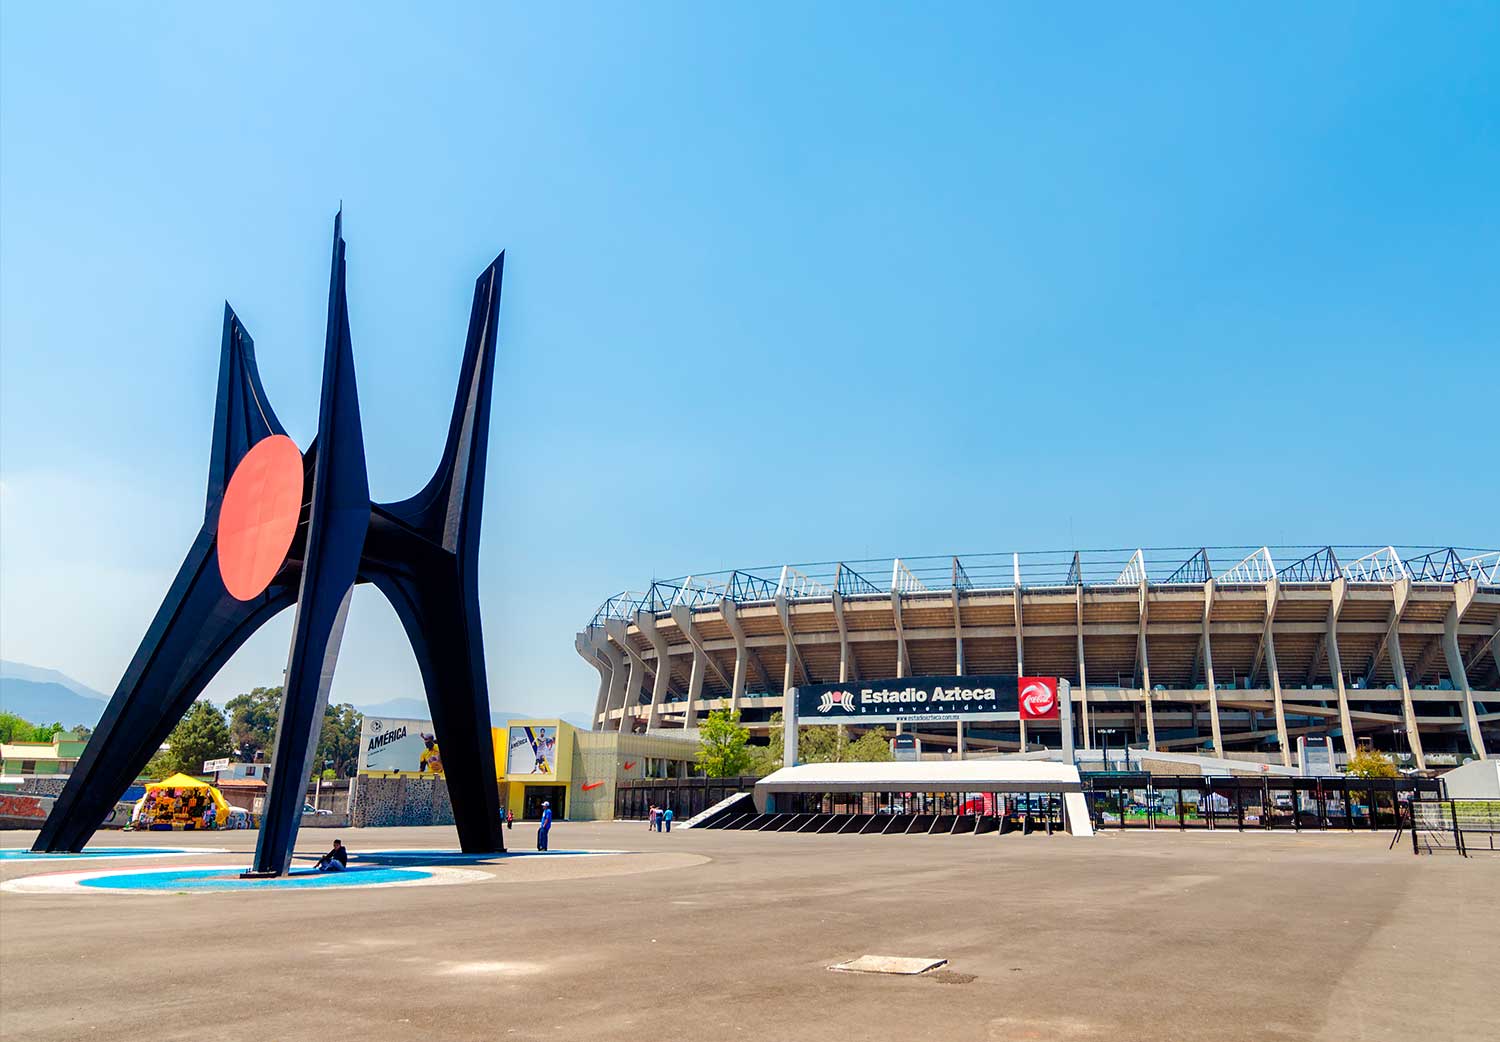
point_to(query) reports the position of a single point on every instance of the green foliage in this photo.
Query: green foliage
(202, 734)
(18, 729)
(1367, 763)
(723, 753)
(252, 720)
(339, 739)
(252, 726)
(822, 744)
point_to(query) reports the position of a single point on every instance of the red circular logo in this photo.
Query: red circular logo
(1038, 699)
(259, 515)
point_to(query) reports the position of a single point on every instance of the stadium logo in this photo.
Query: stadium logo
(1038, 698)
(843, 699)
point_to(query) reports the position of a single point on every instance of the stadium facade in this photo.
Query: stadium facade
(1235, 650)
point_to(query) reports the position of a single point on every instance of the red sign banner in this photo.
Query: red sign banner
(1038, 698)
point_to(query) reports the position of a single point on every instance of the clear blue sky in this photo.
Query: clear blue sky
(781, 284)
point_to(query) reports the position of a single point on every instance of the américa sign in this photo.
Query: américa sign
(914, 699)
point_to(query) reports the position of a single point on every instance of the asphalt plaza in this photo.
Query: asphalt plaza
(707, 935)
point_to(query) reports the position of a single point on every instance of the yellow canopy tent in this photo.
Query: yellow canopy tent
(173, 795)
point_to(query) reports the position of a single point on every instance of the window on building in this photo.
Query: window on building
(28, 766)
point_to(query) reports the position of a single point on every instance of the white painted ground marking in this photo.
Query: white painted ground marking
(72, 882)
(91, 858)
(888, 964)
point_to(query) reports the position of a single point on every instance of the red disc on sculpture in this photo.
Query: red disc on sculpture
(258, 517)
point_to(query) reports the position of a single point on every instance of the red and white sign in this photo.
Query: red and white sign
(1038, 698)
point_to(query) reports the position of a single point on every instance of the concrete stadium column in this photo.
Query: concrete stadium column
(793, 661)
(958, 662)
(619, 671)
(637, 674)
(1276, 700)
(586, 651)
(632, 694)
(1143, 663)
(1083, 677)
(848, 664)
(1020, 644)
(1408, 710)
(702, 662)
(646, 622)
(695, 689)
(1208, 670)
(902, 666)
(1273, 671)
(1463, 596)
(903, 663)
(1336, 590)
(741, 652)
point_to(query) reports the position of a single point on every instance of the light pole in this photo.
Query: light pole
(1104, 733)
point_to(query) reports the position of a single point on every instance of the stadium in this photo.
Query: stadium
(1232, 652)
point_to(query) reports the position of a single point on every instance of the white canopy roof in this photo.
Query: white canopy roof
(927, 776)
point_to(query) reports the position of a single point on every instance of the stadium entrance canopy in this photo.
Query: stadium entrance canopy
(964, 777)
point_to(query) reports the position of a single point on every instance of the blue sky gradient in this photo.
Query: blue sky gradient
(782, 284)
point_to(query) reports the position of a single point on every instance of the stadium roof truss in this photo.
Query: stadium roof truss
(976, 573)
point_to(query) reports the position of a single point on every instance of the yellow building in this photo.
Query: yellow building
(535, 761)
(577, 771)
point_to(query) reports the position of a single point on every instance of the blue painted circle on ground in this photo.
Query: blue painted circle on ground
(200, 879)
(21, 854)
(460, 856)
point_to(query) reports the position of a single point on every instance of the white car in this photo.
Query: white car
(308, 808)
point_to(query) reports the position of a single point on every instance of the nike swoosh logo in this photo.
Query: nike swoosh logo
(629, 764)
(593, 785)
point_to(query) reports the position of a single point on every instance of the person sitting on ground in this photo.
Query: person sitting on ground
(336, 860)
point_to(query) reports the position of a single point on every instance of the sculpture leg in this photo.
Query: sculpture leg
(443, 626)
(197, 628)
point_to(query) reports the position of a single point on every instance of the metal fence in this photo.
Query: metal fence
(1458, 825)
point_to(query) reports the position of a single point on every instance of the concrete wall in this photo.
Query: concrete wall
(405, 800)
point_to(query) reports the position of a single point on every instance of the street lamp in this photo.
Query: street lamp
(1104, 733)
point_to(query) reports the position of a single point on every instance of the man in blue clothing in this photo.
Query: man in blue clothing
(667, 817)
(545, 827)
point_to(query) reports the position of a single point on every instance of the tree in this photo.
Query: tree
(339, 739)
(200, 735)
(252, 726)
(723, 753)
(15, 728)
(252, 720)
(1367, 763)
(822, 744)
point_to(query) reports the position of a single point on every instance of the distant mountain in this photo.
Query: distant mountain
(21, 671)
(43, 696)
(46, 703)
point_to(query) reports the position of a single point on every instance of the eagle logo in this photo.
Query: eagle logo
(843, 699)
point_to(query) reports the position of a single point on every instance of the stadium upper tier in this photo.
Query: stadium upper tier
(1175, 648)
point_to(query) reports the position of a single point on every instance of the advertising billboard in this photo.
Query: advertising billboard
(910, 700)
(532, 750)
(408, 746)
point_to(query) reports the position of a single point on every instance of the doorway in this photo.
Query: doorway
(531, 804)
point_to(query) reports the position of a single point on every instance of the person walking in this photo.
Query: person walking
(510, 818)
(651, 818)
(666, 816)
(545, 827)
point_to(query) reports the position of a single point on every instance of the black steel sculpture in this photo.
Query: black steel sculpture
(254, 558)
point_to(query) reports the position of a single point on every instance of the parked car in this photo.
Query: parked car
(308, 808)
